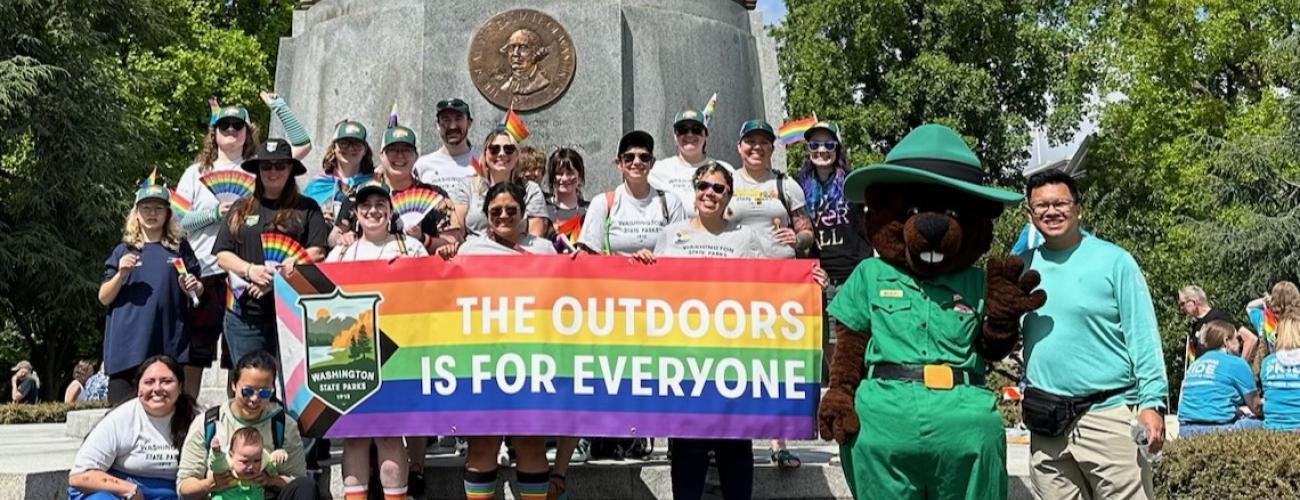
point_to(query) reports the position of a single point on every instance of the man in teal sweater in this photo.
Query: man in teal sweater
(1092, 357)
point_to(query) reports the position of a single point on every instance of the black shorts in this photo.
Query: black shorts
(206, 323)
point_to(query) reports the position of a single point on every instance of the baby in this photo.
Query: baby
(246, 458)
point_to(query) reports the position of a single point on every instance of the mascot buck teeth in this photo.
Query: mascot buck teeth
(918, 325)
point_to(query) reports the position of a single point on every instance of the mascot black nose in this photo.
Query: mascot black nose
(932, 226)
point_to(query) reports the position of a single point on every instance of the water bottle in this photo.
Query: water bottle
(1139, 433)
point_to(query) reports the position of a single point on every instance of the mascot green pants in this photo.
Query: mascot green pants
(918, 326)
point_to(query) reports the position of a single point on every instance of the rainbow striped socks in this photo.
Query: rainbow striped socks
(532, 485)
(481, 485)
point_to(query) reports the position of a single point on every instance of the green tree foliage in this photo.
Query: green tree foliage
(92, 94)
(991, 69)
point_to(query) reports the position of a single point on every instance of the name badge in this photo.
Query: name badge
(251, 220)
(891, 294)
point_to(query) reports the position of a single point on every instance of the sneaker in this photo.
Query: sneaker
(414, 485)
(580, 452)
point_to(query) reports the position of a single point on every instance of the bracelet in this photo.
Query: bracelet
(247, 272)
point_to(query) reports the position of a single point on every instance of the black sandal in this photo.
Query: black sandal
(557, 488)
(785, 460)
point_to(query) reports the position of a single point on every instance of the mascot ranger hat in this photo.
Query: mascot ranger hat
(929, 154)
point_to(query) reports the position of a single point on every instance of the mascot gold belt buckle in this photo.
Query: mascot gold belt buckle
(938, 377)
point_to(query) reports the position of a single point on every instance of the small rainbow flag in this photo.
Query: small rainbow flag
(392, 116)
(710, 108)
(1268, 328)
(181, 271)
(180, 205)
(478, 167)
(152, 180)
(213, 109)
(413, 204)
(792, 131)
(515, 126)
(235, 288)
(569, 229)
(229, 185)
(278, 247)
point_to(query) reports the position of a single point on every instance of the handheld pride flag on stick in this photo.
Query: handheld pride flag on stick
(514, 126)
(152, 180)
(229, 185)
(180, 205)
(182, 272)
(213, 109)
(392, 116)
(277, 248)
(792, 131)
(412, 205)
(709, 108)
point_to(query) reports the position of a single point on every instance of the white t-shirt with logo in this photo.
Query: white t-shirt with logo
(677, 176)
(633, 223)
(364, 249)
(202, 200)
(444, 170)
(471, 193)
(683, 239)
(128, 440)
(755, 204)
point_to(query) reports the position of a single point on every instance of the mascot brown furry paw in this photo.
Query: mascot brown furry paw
(918, 325)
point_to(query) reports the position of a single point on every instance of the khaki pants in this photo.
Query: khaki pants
(1095, 459)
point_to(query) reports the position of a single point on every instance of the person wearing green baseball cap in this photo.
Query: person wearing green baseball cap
(765, 198)
(454, 160)
(348, 163)
(438, 229)
(675, 174)
(147, 296)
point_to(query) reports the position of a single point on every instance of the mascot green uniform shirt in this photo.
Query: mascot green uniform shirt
(945, 312)
(1094, 334)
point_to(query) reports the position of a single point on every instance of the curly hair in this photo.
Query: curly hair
(208, 153)
(1284, 300)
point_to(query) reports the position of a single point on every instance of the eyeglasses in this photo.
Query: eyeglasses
(235, 125)
(263, 393)
(278, 166)
(717, 188)
(508, 149)
(827, 145)
(373, 207)
(631, 157)
(507, 211)
(690, 129)
(350, 145)
(1042, 207)
(149, 208)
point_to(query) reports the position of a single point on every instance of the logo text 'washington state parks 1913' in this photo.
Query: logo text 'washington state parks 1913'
(342, 337)
(522, 59)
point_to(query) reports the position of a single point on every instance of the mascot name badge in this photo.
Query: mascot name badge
(596, 323)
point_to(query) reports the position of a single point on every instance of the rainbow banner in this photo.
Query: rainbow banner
(552, 346)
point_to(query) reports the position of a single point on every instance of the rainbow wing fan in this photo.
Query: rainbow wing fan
(229, 185)
(569, 229)
(412, 205)
(278, 248)
(180, 205)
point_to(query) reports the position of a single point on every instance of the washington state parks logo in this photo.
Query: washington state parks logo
(342, 347)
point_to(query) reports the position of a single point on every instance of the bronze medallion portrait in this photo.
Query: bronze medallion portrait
(522, 59)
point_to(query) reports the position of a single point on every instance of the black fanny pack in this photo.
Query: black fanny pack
(1047, 414)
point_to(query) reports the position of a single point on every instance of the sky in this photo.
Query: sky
(1040, 151)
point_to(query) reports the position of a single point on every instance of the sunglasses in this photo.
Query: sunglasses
(277, 166)
(510, 211)
(690, 129)
(235, 125)
(717, 188)
(262, 393)
(351, 145)
(828, 145)
(631, 157)
(508, 149)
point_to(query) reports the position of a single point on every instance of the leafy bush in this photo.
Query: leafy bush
(1243, 464)
(43, 413)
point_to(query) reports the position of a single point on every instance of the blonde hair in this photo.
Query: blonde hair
(480, 182)
(208, 153)
(133, 231)
(1194, 293)
(1217, 333)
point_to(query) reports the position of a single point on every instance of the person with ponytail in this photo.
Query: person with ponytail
(1279, 373)
(275, 207)
(231, 138)
(147, 296)
(133, 452)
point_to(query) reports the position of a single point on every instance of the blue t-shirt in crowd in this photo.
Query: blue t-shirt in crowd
(148, 316)
(1215, 385)
(1280, 374)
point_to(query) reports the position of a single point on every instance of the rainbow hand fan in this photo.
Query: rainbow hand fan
(277, 248)
(229, 185)
(569, 229)
(180, 205)
(412, 205)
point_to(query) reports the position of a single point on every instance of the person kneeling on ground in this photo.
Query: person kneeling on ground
(1219, 390)
(253, 383)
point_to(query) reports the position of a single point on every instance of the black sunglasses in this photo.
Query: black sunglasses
(496, 149)
(235, 125)
(511, 211)
(631, 157)
(717, 188)
(277, 165)
(690, 129)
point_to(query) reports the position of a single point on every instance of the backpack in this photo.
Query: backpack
(609, 211)
(780, 194)
(212, 415)
(620, 448)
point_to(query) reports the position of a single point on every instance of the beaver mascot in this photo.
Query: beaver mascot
(918, 325)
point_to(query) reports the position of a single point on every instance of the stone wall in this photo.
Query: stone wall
(638, 63)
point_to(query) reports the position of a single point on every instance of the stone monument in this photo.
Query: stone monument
(580, 73)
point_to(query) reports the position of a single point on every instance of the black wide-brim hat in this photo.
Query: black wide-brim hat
(273, 150)
(929, 154)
